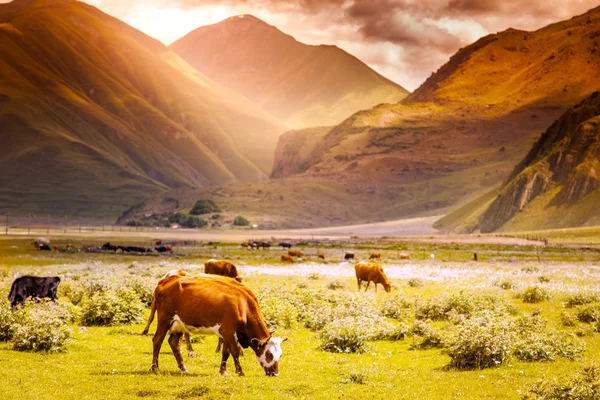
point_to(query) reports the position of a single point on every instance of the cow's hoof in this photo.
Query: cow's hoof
(144, 333)
(155, 370)
(183, 368)
(193, 355)
(224, 373)
(241, 373)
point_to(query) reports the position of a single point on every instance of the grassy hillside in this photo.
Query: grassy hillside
(302, 85)
(94, 120)
(556, 185)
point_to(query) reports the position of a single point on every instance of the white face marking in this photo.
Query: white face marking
(274, 346)
(179, 326)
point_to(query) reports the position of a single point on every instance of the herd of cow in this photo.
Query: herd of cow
(200, 304)
(43, 244)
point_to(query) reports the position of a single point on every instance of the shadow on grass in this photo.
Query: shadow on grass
(148, 372)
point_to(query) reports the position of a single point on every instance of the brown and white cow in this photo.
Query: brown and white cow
(371, 272)
(220, 306)
(223, 268)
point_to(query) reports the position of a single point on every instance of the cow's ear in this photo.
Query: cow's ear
(255, 343)
(284, 339)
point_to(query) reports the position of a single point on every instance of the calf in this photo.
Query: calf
(222, 267)
(374, 255)
(33, 286)
(371, 272)
(220, 306)
(287, 258)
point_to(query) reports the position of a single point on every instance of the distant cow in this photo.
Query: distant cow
(109, 247)
(320, 255)
(371, 272)
(45, 247)
(285, 245)
(40, 241)
(222, 267)
(245, 245)
(349, 255)
(164, 249)
(374, 255)
(287, 258)
(220, 306)
(33, 286)
(295, 253)
(404, 256)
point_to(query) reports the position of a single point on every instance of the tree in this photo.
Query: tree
(205, 207)
(241, 221)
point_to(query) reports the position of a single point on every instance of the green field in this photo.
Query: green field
(113, 362)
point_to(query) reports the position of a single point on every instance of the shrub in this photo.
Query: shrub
(143, 288)
(240, 221)
(481, 342)
(396, 307)
(314, 276)
(335, 285)
(444, 307)
(568, 319)
(205, 207)
(534, 294)
(589, 313)
(7, 321)
(347, 335)
(111, 308)
(194, 222)
(544, 279)
(546, 347)
(530, 270)
(416, 282)
(506, 285)
(582, 385)
(580, 298)
(400, 332)
(43, 327)
(426, 336)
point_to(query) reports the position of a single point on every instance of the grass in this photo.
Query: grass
(114, 362)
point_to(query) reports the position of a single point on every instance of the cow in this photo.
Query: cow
(245, 245)
(33, 286)
(134, 249)
(39, 241)
(222, 267)
(404, 256)
(374, 255)
(164, 249)
(109, 247)
(475, 257)
(349, 255)
(287, 258)
(220, 306)
(320, 255)
(45, 247)
(295, 253)
(285, 245)
(371, 272)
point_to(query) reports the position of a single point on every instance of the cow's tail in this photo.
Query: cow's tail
(13, 293)
(151, 317)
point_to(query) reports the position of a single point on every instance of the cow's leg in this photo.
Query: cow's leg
(368, 283)
(219, 345)
(174, 341)
(223, 369)
(233, 349)
(359, 283)
(188, 343)
(157, 339)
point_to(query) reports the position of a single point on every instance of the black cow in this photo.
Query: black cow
(45, 247)
(108, 246)
(33, 286)
(285, 245)
(349, 255)
(164, 249)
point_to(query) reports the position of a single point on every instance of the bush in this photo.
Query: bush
(111, 308)
(43, 327)
(335, 285)
(506, 285)
(442, 308)
(426, 336)
(534, 294)
(143, 288)
(240, 221)
(7, 321)
(546, 347)
(277, 310)
(589, 313)
(135, 222)
(481, 342)
(416, 282)
(205, 207)
(194, 222)
(396, 307)
(568, 319)
(543, 279)
(314, 276)
(582, 385)
(580, 298)
(347, 335)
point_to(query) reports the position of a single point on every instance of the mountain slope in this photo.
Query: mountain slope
(300, 84)
(94, 119)
(557, 184)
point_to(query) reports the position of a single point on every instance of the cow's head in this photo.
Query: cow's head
(268, 352)
(388, 287)
(238, 278)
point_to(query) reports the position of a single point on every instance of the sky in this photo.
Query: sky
(404, 40)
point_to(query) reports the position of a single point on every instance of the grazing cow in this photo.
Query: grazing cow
(220, 306)
(374, 255)
(109, 247)
(474, 256)
(33, 286)
(39, 241)
(134, 249)
(245, 245)
(295, 253)
(285, 245)
(287, 258)
(432, 256)
(404, 256)
(45, 247)
(223, 268)
(164, 249)
(349, 255)
(371, 272)
(320, 255)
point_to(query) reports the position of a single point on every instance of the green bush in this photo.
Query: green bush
(42, 327)
(582, 385)
(581, 298)
(205, 207)
(416, 282)
(506, 285)
(240, 221)
(194, 222)
(111, 307)
(547, 346)
(347, 335)
(442, 308)
(426, 336)
(568, 319)
(7, 321)
(535, 294)
(335, 285)
(482, 341)
(135, 222)
(396, 307)
(589, 313)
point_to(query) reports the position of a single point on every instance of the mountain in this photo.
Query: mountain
(303, 85)
(96, 116)
(557, 184)
(450, 143)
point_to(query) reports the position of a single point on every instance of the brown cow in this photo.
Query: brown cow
(320, 255)
(223, 268)
(295, 253)
(245, 245)
(374, 255)
(404, 256)
(287, 258)
(220, 306)
(371, 272)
